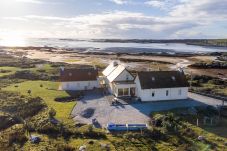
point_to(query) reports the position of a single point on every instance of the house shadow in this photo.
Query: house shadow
(147, 108)
(86, 95)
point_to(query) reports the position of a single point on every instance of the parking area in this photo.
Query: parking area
(95, 105)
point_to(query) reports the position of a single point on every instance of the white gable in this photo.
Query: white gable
(116, 73)
(124, 76)
(109, 69)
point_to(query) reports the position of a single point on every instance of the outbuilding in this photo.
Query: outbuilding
(79, 79)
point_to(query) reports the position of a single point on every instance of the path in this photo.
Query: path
(205, 99)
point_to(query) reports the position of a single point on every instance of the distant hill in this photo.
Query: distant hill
(200, 42)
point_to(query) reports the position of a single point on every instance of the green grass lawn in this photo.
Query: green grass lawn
(48, 93)
(11, 69)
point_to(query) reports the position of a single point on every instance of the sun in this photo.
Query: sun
(13, 41)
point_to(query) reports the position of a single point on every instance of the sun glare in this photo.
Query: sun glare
(13, 41)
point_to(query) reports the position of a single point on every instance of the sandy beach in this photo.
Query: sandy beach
(134, 62)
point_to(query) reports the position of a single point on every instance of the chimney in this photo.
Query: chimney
(62, 68)
(181, 70)
(115, 63)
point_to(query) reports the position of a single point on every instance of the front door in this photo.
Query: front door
(132, 91)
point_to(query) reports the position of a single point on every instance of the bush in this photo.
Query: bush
(65, 147)
(155, 134)
(30, 75)
(20, 106)
(169, 122)
(65, 99)
(7, 121)
(52, 113)
(13, 135)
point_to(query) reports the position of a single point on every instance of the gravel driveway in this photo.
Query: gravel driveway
(133, 113)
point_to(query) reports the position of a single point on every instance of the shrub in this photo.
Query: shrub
(52, 113)
(155, 134)
(13, 135)
(65, 147)
(20, 106)
(169, 122)
(7, 121)
(29, 75)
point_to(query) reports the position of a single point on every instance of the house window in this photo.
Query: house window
(179, 92)
(153, 94)
(123, 92)
(167, 92)
(120, 92)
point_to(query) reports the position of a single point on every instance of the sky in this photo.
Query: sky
(139, 19)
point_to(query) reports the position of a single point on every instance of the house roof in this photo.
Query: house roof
(89, 74)
(116, 72)
(110, 68)
(162, 79)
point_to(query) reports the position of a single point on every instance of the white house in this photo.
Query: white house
(78, 79)
(148, 86)
(119, 80)
(161, 85)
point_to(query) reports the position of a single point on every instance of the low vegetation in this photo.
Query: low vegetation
(31, 106)
(208, 85)
(210, 65)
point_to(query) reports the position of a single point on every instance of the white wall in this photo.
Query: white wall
(123, 76)
(79, 85)
(160, 94)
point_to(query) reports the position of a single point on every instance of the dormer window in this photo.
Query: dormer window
(127, 77)
(173, 78)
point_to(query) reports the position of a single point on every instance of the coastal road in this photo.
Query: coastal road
(205, 99)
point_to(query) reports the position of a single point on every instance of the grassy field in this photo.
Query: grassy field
(48, 93)
(215, 88)
(11, 70)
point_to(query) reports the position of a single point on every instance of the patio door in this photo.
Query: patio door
(123, 92)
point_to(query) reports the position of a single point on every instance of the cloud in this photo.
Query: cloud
(185, 19)
(109, 24)
(156, 3)
(163, 4)
(119, 2)
(31, 1)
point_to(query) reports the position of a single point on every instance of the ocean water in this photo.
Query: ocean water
(89, 45)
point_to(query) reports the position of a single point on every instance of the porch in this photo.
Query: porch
(124, 89)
